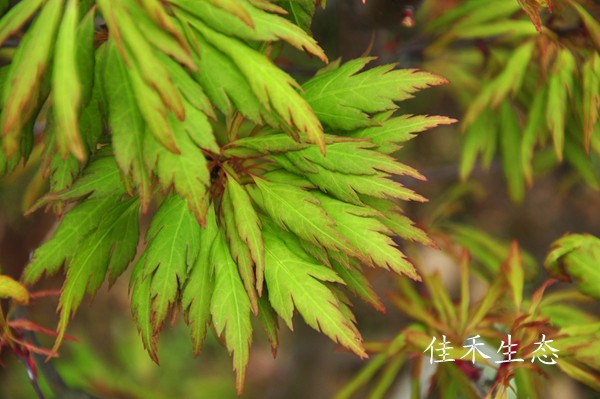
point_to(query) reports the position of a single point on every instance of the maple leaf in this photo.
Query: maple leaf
(294, 281)
(367, 234)
(397, 130)
(173, 239)
(186, 171)
(230, 308)
(76, 223)
(240, 253)
(268, 27)
(358, 284)
(341, 98)
(111, 247)
(126, 122)
(248, 227)
(141, 307)
(198, 289)
(272, 86)
(296, 210)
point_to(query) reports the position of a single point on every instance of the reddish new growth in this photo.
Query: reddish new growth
(100, 36)
(217, 168)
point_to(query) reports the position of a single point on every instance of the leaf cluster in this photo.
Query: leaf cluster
(530, 92)
(274, 194)
(504, 310)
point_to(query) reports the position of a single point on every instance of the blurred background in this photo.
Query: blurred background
(110, 361)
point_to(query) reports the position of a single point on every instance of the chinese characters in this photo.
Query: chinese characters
(546, 353)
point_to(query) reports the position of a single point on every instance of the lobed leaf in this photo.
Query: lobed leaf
(397, 223)
(238, 248)
(397, 130)
(273, 87)
(74, 226)
(298, 211)
(198, 289)
(367, 234)
(101, 178)
(358, 284)
(126, 123)
(230, 308)
(340, 97)
(141, 308)
(295, 282)
(186, 172)
(111, 247)
(299, 12)
(172, 238)
(268, 27)
(248, 227)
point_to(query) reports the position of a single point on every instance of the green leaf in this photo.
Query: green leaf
(86, 56)
(579, 373)
(94, 116)
(285, 177)
(234, 7)
(295, 282)
(168, 41)
(399, 224)
(230, 308)
(21, 94)
(248, 227)
(510, 141)
(141, 309)
(66, 87)
(187, 172)
(127, 125)
(560, 83)
(238, 248)
(341, 98)
(535, 124)
(367, 234)
(101, 178)
(154, 112)
(298, 211)
(130, 40)
(512, 270)
(358, 284)
(268, 319)
(187, 86)
(576, 256)
(198, 289)
(299, 12)
(111, 247)
(10, 288)
(576, 156)
(356, 158)
(268, 143)
(17, 16)
(173, 239)
(345, 186)
(590, 23)
(270, 85)
(225, 84)
(74, 226)
(509, 80)
(591, 96)
(268, 27)
(397, 130)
